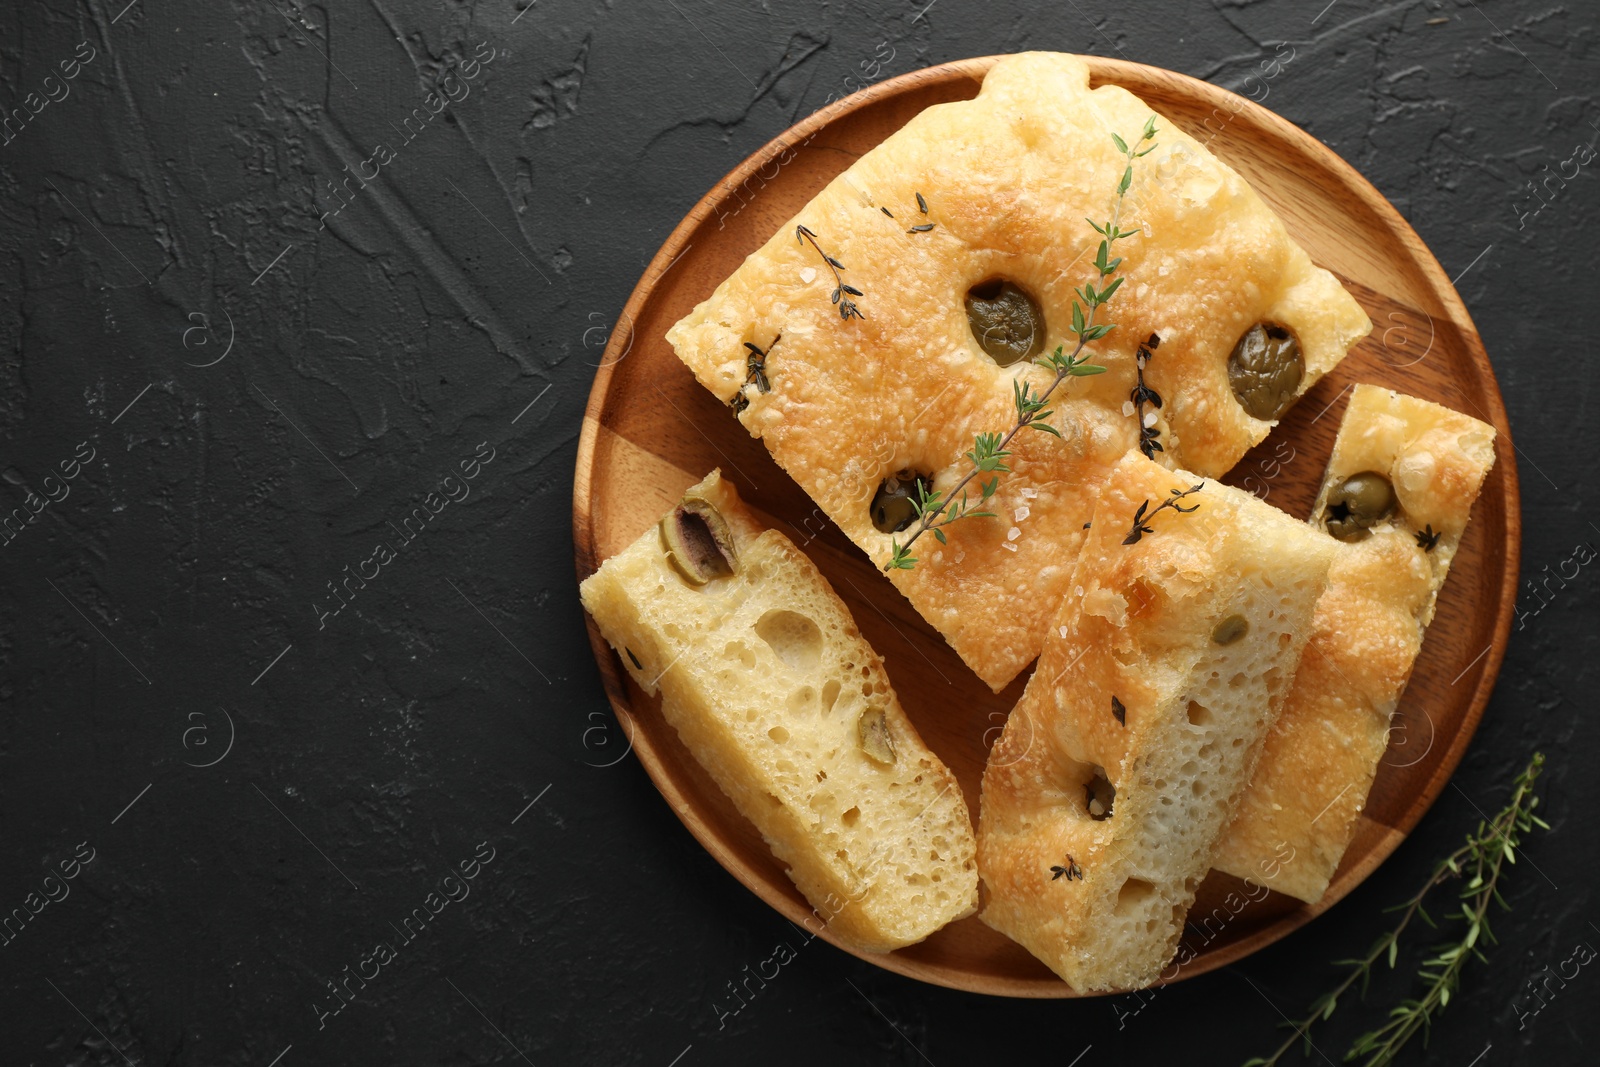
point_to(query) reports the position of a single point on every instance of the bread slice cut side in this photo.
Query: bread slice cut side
(771, 686)
(1163, 676)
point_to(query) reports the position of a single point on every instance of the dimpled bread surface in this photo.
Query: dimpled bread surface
(1141, 628)
(1009, 178)
(766, 678)
(1298, 815)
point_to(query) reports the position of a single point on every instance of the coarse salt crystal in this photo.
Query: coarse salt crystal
(1021, 513)
(1149, 418)
(1008, 546)
(808, 274)
(1029, 494)
(1013, 533)
(1127, 408)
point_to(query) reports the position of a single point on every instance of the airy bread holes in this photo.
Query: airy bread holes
(794, 638)
(1199, 715)
(1133, 897)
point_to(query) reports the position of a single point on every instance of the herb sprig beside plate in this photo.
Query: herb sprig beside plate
(1481, 862)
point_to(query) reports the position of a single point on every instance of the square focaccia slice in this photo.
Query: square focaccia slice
(1119, 768)
(1398, 490)
(1008, 180)
(764, 675)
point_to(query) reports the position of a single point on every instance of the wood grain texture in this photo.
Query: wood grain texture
(650, 431)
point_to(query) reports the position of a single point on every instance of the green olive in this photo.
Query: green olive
(1230, 629)
(698, 542)
(894, 507)
(1006, 321)
(1265, 369)
(872, 735)
(1100, 796)
(1359, 503)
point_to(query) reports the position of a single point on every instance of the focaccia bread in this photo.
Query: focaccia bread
(1008, 180)
(773, 689)
(1119, 768)
(1299, 814)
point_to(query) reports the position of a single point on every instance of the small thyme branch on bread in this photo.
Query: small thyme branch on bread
(1070, 871)
(755, 367)
(1142, 394)
(847, 307)
(989, 451)
(1141, 521)
(922, 205)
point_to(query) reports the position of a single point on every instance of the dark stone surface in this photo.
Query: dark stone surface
(164, 214)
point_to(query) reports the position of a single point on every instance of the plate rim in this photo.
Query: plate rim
(1102, 70)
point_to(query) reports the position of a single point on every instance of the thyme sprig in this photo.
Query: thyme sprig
(1142, 394)
(755, 373)
(755, 365)
(1141, 520)
(847, 307)
(990, 450)
(1480, 862)
(1069, 871)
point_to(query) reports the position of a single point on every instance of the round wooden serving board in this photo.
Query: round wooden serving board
(650, 431)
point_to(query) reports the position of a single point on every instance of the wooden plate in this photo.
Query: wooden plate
(650, 431)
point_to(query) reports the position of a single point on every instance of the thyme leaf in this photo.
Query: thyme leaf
(755, 373)
(1069, 871)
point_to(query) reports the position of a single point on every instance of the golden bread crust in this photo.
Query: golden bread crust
(1009, 178)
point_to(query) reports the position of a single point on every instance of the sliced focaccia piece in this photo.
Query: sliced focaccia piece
(997, 190)
(765, 677)
(1119, 768)
(1398, 490)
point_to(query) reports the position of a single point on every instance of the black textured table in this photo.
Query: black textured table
(303, 755)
